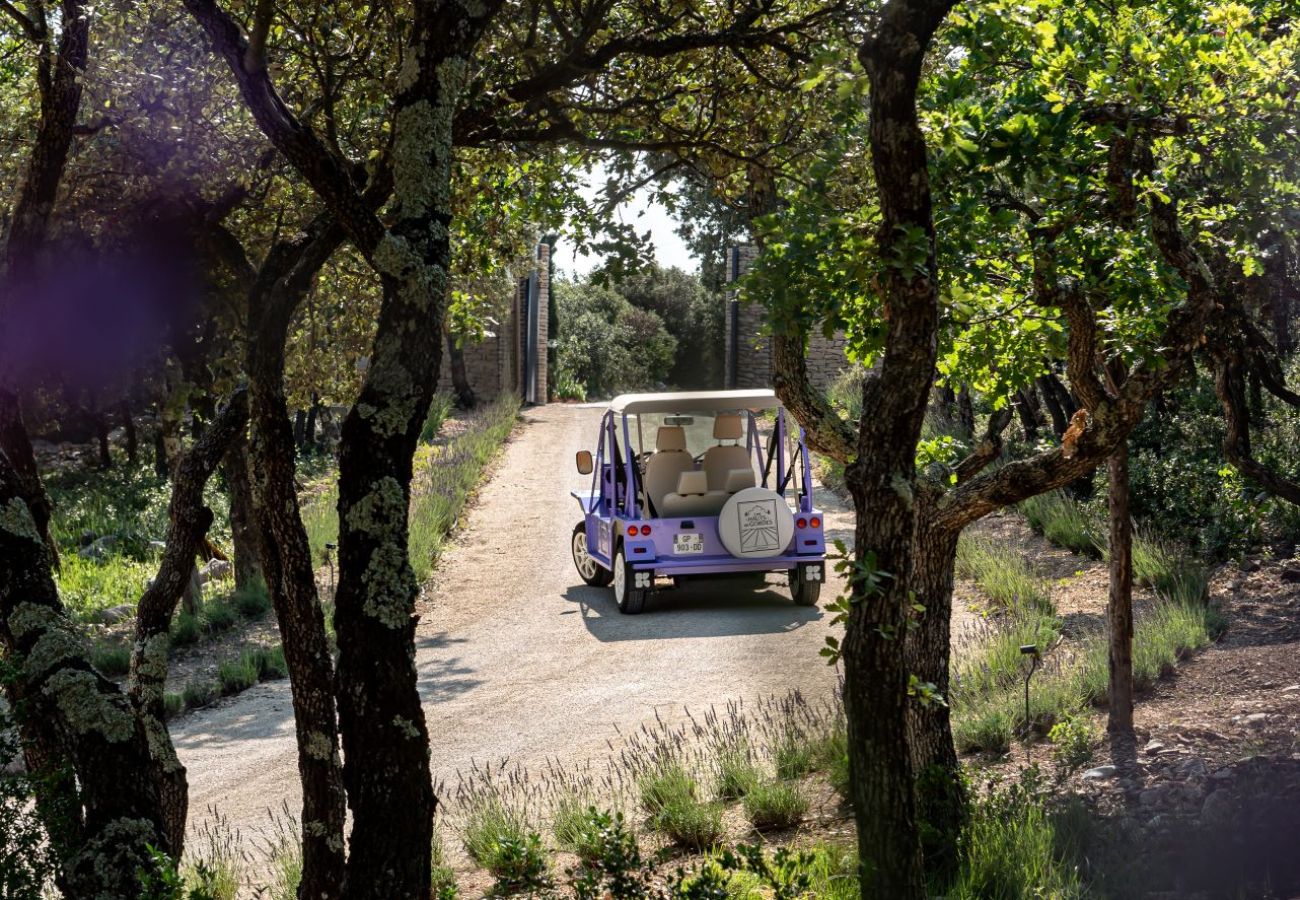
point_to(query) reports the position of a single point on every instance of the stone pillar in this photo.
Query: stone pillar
(543, 319)
(750, 359)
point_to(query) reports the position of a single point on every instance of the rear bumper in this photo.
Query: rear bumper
(724, 565)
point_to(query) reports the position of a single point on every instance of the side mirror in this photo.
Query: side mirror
(585, 465)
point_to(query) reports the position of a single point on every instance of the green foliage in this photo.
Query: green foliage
(219, 615)
(1010, 851)
(613, 867)
(1073, 739)
(284, 853)
(185, 629)
(173, 704)
(27, 857)
(605, 343)
(737, 771)
(795, 753)
(251, 666)
(253, 601)
(489, 821)
(665, 783)
(442, 880)
(692, 316)
(1002, 574)
(775, 804)
(518, 864)
(1065, 522)
(689, 823)
(439, 410)
(198, 694)
(580, 828)
(111, 658)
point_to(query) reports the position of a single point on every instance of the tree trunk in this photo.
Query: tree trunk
(101, 438)
(17, 446)
(941, 798)
(61, 698)
(161, 465)
(291, 581)
(128, 427)
(300, 428)
(188, 523)
(965, 412)
(1119, 608)
(309, 427)
(1031, 415)
(243, 528)
(465, 398)
(876, 694)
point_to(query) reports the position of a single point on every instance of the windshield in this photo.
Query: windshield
(698, 427)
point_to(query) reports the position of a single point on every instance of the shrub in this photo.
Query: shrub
(1065, 522)
(198, 694)
(1167, 570)
(253, 601)
(617, 870)
(219, 615)
(489, 821)
(111, 659)
(1074, 737)
(737, 772)
(283, 851)
(1009, 850)
(1001, 573)
(794, 754)
(666, 783)
(271, 663)
(443, 878)
(518, 864)
(775, 804)
(184, 630)
(173, 704)
(236, 675)
(439, 410)
(580, 828)
(690, 824)
(216, 872)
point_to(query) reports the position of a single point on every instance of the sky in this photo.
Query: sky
(644, 215)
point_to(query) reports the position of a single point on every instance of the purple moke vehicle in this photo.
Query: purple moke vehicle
(696, 483)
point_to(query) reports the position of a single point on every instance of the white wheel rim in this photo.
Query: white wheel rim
(620, 578)
(585, 562)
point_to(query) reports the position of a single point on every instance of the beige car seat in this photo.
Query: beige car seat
(722, 459)
(692, 497)
(669, 461)
(738, 480)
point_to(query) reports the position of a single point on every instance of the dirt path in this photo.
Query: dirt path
(517, 658)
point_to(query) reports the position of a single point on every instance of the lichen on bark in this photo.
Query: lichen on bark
(16, 519)
(86, 709)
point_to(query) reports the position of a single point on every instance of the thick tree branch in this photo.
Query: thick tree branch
(827, 432)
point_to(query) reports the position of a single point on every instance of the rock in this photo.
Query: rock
(1192, 768)
(1219, 809)
(1290, 575)
(1291, 688)
(99, 548)
(87, 538)
(1101, 773)
(1250, 565)
(1158, 795)
(1256, 720)
(218, 568)
(114, 614)
(1153, 747)
(160, 546)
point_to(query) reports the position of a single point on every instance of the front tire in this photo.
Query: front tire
(631, 601)
(589, 570)
(803, 591)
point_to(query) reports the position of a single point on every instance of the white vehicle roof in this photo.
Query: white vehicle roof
(694, 401)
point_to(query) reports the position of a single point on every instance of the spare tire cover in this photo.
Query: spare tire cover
(756, 523)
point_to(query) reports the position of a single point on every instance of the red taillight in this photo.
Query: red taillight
(645, 531)
(632, 531)
(815, 522)
(801, 522)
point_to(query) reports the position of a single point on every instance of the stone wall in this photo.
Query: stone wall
(494, 364)
(751, 364)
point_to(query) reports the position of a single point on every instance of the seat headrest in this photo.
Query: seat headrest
(739, 479)
(693, 482)
(670, 437)
(728, 427)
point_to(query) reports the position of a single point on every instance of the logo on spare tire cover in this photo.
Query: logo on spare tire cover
(758, 530)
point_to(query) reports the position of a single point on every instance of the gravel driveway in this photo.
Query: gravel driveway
(518, 658)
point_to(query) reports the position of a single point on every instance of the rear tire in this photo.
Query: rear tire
(589, 568)
(803, 592)
(631, 601)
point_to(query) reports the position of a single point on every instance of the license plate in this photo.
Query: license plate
(688, 543)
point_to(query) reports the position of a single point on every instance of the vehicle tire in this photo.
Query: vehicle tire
(589, 569)
(803, 591)
(630, 600)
